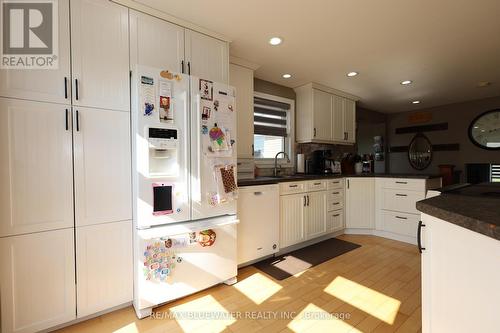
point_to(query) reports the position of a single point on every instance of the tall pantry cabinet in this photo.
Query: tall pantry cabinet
(65, 188)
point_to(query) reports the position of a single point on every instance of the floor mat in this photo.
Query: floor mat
(284, 266)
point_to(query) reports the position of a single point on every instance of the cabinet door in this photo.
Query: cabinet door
(149, 33)
(47, 85)
(338, 130)
(360, 203)
(335, 221)
(207, 57)
(315, 220)
(322, 112)
(37, 280)
(100, 54)
(104, 266)
(102, 166)
(292, 219)
(350, 120)
(242, 79)
(36, 177)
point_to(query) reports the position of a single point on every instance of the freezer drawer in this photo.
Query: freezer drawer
(258, 230)
(173, 265)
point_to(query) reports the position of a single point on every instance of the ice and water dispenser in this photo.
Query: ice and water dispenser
(163, 152)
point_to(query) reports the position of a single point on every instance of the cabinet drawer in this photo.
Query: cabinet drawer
(335, 184)
(336, 192)
(400, 223)
(401, 201)
(316, 185)
(335, 203)
(335, 220)
(404, 184)
(292, 187)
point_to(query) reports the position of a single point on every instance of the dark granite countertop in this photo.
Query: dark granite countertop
(275, 180)
(475, 207)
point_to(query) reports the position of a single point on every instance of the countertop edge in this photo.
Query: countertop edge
(267, 180)
(467, 222)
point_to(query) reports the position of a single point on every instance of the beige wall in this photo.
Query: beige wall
(458, 116)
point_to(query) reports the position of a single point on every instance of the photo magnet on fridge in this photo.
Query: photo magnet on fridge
(206, 90)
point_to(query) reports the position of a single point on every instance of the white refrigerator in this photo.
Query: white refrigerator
(184, 185)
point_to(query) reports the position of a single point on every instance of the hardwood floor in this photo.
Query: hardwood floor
(375, 288)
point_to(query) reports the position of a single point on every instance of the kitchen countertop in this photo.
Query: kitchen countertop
(475, 207)
(275, 180)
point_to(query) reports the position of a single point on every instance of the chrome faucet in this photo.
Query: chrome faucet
(275, 172)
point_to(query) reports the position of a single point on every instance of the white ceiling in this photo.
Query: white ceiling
(445, 46)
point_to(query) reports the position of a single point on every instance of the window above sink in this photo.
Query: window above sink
(273, 129)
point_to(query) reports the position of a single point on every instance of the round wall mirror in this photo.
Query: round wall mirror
(484, 130)
(420, 152)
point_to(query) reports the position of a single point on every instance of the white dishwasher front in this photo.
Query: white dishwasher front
(258, 230)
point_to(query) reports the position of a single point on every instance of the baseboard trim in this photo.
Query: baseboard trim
(94, 315)
(381, 233)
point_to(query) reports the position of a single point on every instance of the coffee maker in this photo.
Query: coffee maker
(321, 162)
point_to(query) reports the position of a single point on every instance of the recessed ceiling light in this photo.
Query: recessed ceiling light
(275, 41)
(351, 74)
(476, 127)
(416, 102)
(406, 82)
(287, 76)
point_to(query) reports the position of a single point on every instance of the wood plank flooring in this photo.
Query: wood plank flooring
(375, 288)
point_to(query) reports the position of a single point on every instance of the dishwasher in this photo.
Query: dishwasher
(259, 215)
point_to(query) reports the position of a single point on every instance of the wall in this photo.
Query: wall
(458, 117)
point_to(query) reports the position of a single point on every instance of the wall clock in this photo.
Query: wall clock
(484, 130)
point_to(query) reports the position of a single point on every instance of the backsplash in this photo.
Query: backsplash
(337, 150)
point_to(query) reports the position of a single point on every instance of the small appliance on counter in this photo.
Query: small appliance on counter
(321, 162)
(301, 163)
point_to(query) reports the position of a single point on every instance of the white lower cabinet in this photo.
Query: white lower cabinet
(307, 215)
(316, 214)
(104, 266)
(292, 228)
(360, 203)
(460, 271)
(37, 281)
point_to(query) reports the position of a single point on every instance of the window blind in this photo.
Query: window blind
(495, 172)
(270, 117)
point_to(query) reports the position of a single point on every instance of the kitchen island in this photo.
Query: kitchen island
(460, 245)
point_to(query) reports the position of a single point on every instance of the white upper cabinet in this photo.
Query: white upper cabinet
(207, 57)
(350, 120)
(46, 85)
(100, 54)
(242, 79)
(338, 128)
(148, 33)
(37, 281)
(104, 277)
(322, 106)
(102, 160)
(325, 115)
(36, 176)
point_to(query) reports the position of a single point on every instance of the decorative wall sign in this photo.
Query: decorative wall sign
(422, 128)
(420, 117)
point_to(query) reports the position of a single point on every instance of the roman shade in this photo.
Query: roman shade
(270, 117)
